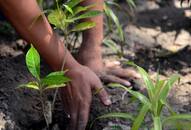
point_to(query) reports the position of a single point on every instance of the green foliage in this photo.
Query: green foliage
(154, 103)
(111, 16)
(30, 85)
(70, 14)
(51, 81)
(33, 62)
(113, 21)
(67, 18)
(83, 26)
(114, 115)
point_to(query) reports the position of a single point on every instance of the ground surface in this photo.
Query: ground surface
(158, 38)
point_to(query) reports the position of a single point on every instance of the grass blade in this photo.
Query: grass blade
(84, 26)
(164, 92)
(113, 115)
(140, 118)
(147, 80)
(111, 14)
(177, 117)
(138, 95)
(30, 85)
(111, 44)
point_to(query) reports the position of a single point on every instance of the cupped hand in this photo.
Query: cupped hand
(77, 95)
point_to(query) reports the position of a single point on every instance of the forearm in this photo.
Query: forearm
(21, 14)
(94, 35)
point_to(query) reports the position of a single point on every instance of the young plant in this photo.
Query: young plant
(154, 103)
(65, 17)
(113, 21)
(68, 18)
(51, 81)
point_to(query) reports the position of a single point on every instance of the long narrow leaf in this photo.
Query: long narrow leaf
(111, 44)
(177, 117)
(140, 118)
(148, 82)
(30, 85)
(80, 9)
(55, 86)
(68, 9)
(164, 92)
(89, 14)
(83, 26)
(113, 115)
(112, 15)
(138, 95)
(73, 3)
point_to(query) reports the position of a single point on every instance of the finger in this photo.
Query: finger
(113, 79)
(108, 63)
(103, 95)
(70, 106)
(83, 115)
(123, 73)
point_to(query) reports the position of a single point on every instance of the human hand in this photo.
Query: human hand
(77, 95)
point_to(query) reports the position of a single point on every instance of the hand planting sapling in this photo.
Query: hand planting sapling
(67, 18)
(51, 81)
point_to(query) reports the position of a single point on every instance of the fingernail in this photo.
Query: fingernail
(127, 83)
(108, 102)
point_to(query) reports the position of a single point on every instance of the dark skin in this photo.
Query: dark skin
(84, 71)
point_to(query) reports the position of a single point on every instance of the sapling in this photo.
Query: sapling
(112, 21)
(67, 18)
(153, 104)
(51, 81)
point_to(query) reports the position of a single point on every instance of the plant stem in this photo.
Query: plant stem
(62, 69)
(43, 107)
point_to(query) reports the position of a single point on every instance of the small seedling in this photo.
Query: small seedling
(153, 104)
(67, 18)
(113, 21)
(51, 81)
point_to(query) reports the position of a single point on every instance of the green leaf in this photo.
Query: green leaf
(57, 73)
(73, 3)
(112, 45)
(30, 85)
(89, 14)
(131, 3)
(33, 62)
(55, 86)
(140, 118)
(177, 117)
(157, 123)
(156, 101)
(113, 3)
(113, 115)
(138, 95)
(79, 9)
(164, 92)
(83, 26)
(111, 14)
(55, 78)
(68, 8)
(148, 82)
(56, 18)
